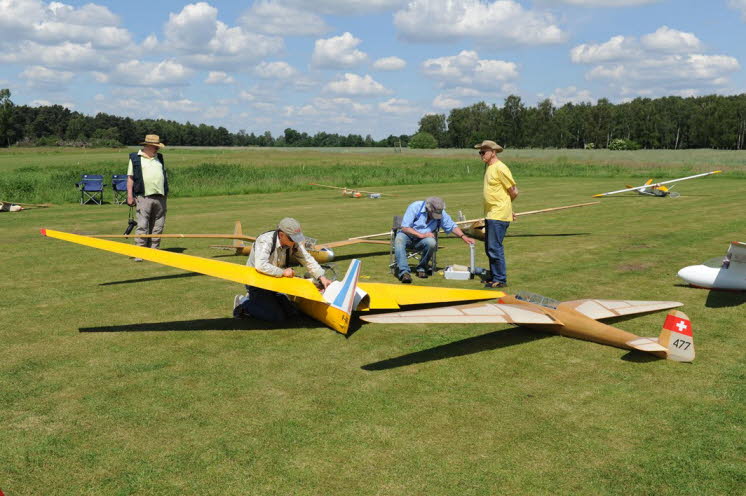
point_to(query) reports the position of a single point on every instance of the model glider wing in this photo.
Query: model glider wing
(480, 313)
(345, 242)
(606, 309)
(737, 251)
(303, 288)
(391, 296)
(190, 236)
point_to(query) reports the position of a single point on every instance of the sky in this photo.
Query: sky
(360, 66)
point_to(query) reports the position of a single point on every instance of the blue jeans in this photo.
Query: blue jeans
(494, 234)
(425, 246)
(266, 305)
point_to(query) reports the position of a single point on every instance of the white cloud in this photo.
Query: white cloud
(64, 56)
(492, 23)
(662, 62)
(738, 5)
(39, 76)
(446, 103)
(665, 39)
(47, 103)
(219, 77)
(272, 17)
(467, 69)
(570, 94)
(183, 105)
(345, 7)
(165, 73)
(219, 112)
(604, 3)
(206, 43)
(355, 85)
(275, 70)
(337, 52)
(396, 106)
(389, 64)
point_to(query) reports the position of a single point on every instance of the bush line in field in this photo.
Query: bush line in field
(56, 185)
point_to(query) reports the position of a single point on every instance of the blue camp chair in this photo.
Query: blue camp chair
(91, 188)
(119, 187)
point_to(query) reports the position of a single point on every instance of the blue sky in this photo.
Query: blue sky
(360, 66)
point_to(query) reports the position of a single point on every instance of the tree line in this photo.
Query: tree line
(671, 122)
(57, 125)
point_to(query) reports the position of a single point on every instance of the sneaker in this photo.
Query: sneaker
(238, 310)
(422, 274)
(405, 278)
(137, 259)
(495, 285)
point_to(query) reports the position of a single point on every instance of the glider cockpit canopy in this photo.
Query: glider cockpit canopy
(537, 299)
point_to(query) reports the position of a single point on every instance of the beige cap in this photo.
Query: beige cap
(489, 144)
(154, 140)
(435, 206)
(291, 227)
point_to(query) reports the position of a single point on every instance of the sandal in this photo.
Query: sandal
(494, 285)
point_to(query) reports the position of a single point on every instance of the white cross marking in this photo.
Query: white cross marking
(681, 325)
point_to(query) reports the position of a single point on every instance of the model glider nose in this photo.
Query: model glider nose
(698, 275)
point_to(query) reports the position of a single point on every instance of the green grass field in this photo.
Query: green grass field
(123, 378)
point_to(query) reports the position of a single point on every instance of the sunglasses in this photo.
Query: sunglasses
(482, 152)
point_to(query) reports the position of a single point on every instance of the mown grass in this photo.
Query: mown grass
(211, 172)
(123, 378)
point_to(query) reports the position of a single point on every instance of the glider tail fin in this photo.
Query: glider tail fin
(677, 337)
(237, 243)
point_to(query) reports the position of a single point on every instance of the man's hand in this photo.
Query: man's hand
(468, 240)
(515, 216)
(131, 201)
(427, 235)
(324, 282)
(288, 272)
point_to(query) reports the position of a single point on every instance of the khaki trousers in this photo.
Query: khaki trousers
(151, 219)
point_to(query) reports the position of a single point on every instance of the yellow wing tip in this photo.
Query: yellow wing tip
(598, 196)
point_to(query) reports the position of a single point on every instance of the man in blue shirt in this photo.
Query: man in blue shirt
(418, 227)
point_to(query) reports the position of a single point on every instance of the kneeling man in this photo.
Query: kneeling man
(270, 255)
(418, 227)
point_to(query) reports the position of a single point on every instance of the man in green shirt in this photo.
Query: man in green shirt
(147, 188)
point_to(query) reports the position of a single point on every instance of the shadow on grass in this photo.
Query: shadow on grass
(723, 299)
(221, 324)
(637, 356)
(148, 279)
(360, 255)
(548, 235)
(175, 250)
(486, 342)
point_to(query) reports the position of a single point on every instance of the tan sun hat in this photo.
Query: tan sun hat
(153, 139)
(435, 206)
(489, 144)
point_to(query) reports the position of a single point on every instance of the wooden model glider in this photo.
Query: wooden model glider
(728, 274)
(353, 193)
(333, 307)
(656, 189)
(475, 227)
(576, 319)
(322, 252)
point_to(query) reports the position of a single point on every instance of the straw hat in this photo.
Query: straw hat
(154, 140)
(489, 144)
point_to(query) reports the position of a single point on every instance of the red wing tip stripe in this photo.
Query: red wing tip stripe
(43, 231)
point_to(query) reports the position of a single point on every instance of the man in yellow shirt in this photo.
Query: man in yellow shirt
(499, 192)
(147, 187)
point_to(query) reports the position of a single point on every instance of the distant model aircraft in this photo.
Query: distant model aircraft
(575, 319)
(322, 252)
(6, 206)
(353, 193)
(656, 189)
(475, 227)
(728, 273)
(333, 307)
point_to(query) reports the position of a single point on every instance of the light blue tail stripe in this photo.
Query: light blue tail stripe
(347, 283)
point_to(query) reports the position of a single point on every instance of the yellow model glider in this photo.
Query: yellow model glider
(333, 308)
(656, 189)
(322, 252)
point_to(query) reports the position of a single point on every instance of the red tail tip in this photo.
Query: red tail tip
(43, 231)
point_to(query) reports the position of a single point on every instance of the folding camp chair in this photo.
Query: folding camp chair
(91, 188)
(411, 253)
(119, 187)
